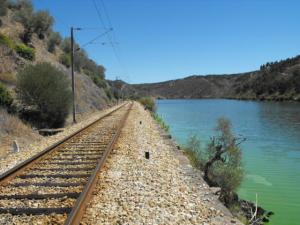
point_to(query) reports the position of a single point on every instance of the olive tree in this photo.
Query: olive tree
(44, 90)
(223, 167)
(221, 160)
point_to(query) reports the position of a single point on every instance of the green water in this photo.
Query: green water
(271, 153)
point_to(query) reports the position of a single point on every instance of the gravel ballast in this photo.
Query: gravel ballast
(13, 159)
(163, 189)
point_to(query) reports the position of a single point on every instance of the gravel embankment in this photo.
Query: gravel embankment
(164, 189)
(36, 147)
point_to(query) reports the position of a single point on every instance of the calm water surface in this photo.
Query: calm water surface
(271, 153)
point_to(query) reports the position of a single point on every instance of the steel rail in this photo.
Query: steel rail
(77, 212)
(16, 170)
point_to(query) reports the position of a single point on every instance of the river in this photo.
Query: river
(271, 153)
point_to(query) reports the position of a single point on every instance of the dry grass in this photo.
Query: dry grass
(12, 128)
(8, 78)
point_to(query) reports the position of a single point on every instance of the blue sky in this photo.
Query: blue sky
(159, 40)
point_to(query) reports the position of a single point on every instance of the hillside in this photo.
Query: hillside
(27, 38)
(92, 91)
(274, 81)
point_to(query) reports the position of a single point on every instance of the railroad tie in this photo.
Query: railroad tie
(35, 211)
(41, 196)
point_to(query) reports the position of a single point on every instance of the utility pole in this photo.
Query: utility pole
(72, 72)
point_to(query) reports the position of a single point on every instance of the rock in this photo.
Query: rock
(15, 147)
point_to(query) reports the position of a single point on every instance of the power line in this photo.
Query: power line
(111, 39)
(97, 37)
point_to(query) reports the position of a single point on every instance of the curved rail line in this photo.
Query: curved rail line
(59, 180)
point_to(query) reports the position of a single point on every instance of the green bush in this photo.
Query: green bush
(65, 59)
(25, 51)
(5, 40)
(53, 40)
(45, 91)
(148, 103)
(5, 97)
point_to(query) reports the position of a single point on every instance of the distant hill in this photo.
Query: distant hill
(274, 81)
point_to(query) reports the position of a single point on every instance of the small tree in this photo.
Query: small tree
(42, 23)
(223, 167)
(45, 90)
(25, 16)
(54, 40)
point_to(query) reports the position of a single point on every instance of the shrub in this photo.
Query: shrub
(194, 152)
(66, 45)
(5, 97)
(5, 40)
(19, 4)
(25, 51)
(65, 59)
(148, 103)
(54, 40)
(42, 22)
(45, 91)
(98, 81)
(8, 78)
(92, 69)
(25, 16)
(161, 122)
(108, 92)
(221, 161)
(80, 59)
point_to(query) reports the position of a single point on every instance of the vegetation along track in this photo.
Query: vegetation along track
(54, 186)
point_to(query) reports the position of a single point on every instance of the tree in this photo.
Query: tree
(223, 167)
(45, 92)
(42, 23)
(66, 45)
(24, 15)
(53, 40)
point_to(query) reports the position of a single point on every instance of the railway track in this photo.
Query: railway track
(54, 186)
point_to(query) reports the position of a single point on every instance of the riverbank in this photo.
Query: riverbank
(163, 189)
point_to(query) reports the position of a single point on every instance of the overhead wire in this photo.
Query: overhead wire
(111, 39)
(95, 38)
